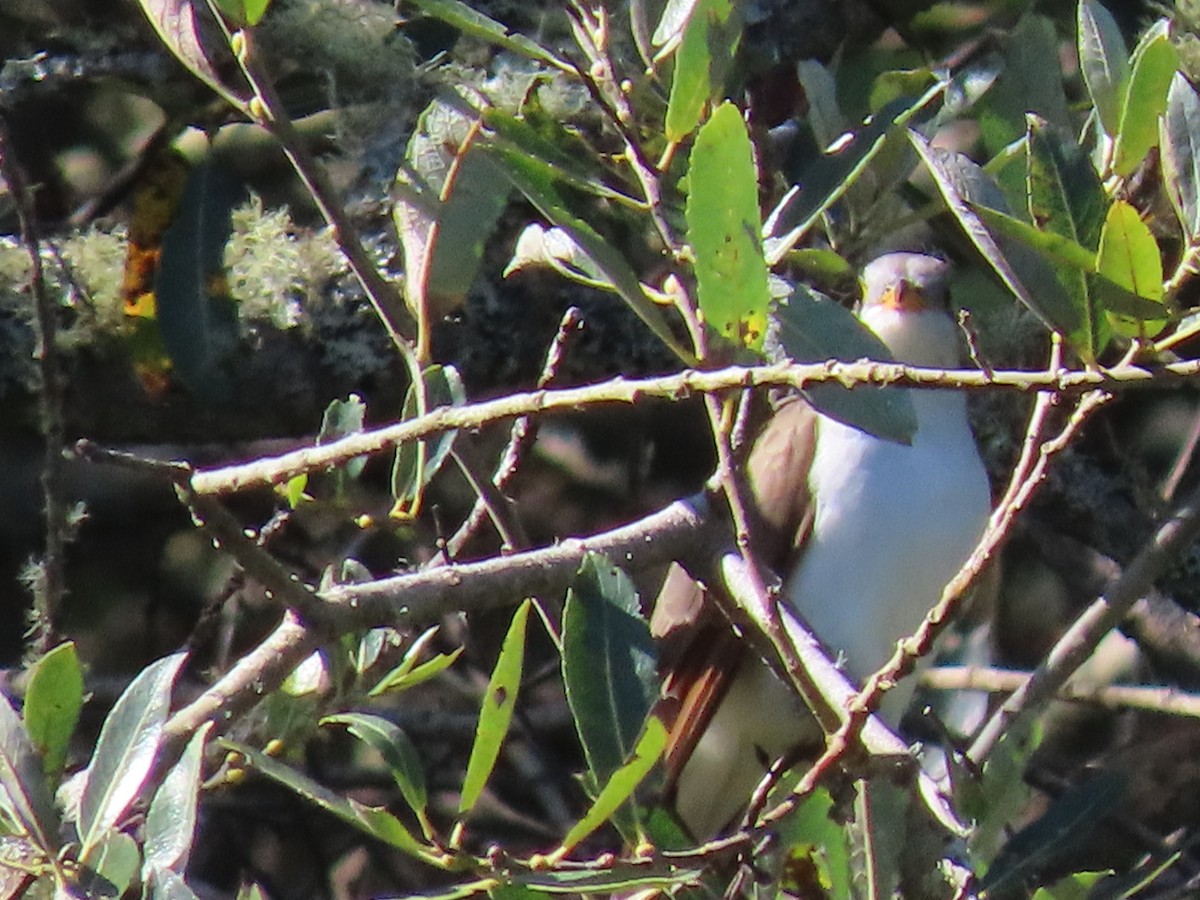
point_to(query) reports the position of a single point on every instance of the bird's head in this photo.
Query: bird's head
(906, 302)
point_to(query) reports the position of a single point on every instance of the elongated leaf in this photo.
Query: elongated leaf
(110, 865)
(397, 750)
(495, 715)
(674, 19)
(608, 661)
(809, 328)
(374, 821)
(474, 23)
(1104, 60)
(171, 820)
(588, 881)
(199, 324)
(538, 182)
(24, 797)
(828, 179)
(621, 785)
(1066, 197)
(1129, 257)
(1155, 61)
(1023, 85)
(417, 462)
(1180, 141)
(448, 197)
(187, 29)
(165, 884)
(126, 748)
(1016, 266)
(724, 230)
(710, 39)
(52, 705)
(1074, 887)
(341, 419)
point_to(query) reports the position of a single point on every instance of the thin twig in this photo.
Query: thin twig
(49, 592)
(1153, 698)
(624, 391)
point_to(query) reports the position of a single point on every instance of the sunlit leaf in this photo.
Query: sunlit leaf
(1104, 60)
(126, 749)
(52, 704)
(621, 785)
(1129, 257)
(171, 819)
(1074, 887)
(187, 29)
(110, 864)
(165, 884)
(24, 797)
(495, 715)
(1180, 141)
(710, 39)
(724, 230)
(817, 846)
(588, 881)
(608, 661)
(1155, 61)
(474, 23)
(243, 12)
(409, 673)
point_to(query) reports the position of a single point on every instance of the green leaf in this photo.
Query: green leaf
(110, 865)
(1129, 257)
(448, 197)
(199, 323)
(621, 785)
(343, 418)
(724, 230)
(1068, 821)
(710, 40)
(815, 844)
(809, 328)
(171, 820)
(52, 704)
(1073, 887)
(994, 800)
(374, 821)
(24, 797)
(243, 12)
(165, 884)
(477, 25)
(1104, 60)
(416, 462)
(1016, 265)
(495, 715)
(1155, 61)
(588, 882)
(538, 181)
(829, 178)
(408, 673)
(186, 27)
(126, 749)
(398, 753)
(608, 661)
(1179, 139)
(674, 19)
(1066, 198)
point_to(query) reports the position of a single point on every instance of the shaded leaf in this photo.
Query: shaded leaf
(52, 704)
(343, 418)
(710, 39)
(1155, 61)
(1073, 887)
(187, 29)
(1179, 139)
(24, 797)
(398, 753)
(608, 661)
(724, 230)
(196, 316)
(171, 819)
(126, 749)
(495, 715)
(553, 247)
(164, 884)
(538, 182)
(416, 462)
(808, 328)
(1104, 61)
(408, 673)
(815, 845)
(448, 197)
(474, 23)
(831, 175)
(621, 785)
(374, 821)
(110, 865)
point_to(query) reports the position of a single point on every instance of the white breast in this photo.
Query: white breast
(893, 525)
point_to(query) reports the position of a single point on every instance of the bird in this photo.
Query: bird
(864, 533)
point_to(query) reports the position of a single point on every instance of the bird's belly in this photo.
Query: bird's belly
(886, 541)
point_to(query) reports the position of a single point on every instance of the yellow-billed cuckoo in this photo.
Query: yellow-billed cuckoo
(865, 534)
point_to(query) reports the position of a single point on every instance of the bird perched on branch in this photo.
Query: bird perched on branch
(865, 533)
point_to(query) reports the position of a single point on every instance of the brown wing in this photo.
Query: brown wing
(701, 653)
